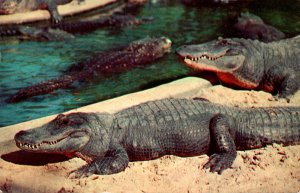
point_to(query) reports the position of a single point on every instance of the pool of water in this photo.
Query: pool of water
(23, 63)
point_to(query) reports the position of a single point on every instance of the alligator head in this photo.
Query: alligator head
(66, 134)
(230, 59)
(148, 49)
(139, 52)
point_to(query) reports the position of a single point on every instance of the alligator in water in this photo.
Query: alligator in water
(253, 27)
(153, 129)
(137, 53)
(273, 67)
(19, 6)
(35, 33)
(65, 30)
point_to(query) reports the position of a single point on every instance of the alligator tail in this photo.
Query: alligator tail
(42, 88)
(270, 125)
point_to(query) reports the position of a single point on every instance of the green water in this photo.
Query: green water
(24, 63)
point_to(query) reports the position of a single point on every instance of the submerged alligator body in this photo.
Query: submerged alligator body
(35, 33)
(19, 6)
(273, 67)
(153, 129)
(65, 30)
(137, 53)
(253, 27)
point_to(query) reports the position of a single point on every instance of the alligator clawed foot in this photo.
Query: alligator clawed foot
(219, 162)
(282, 97)
(56, 19)
(80, 173)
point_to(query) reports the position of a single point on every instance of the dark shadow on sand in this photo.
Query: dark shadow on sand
(34, 159)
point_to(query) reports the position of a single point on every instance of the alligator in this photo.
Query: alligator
(19, 6)
(137, 53)
(250, 64)
(181, 127)
(116, 20)
(44, 34)
(253, 27)
(67, 30)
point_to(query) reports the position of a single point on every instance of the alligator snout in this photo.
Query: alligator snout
(19, 134)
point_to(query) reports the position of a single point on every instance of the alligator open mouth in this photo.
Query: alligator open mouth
(46, 144)
(36, 146)
(203, 57)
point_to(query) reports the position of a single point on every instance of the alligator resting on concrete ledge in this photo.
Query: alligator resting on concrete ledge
(153, 129)
(273, 67)
(19, 6)
(137, 53)
(65, 30)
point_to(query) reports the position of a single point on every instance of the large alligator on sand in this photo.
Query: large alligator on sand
(273, 67)
(253, 27)
(137, 53)
(153, 129)
(19, 6)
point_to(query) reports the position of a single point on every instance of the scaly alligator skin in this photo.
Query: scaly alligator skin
(65, 30)
(139, 52)
(115, 20)
(153, 129)
(253, 27)
(273, 67)
(19, 6)
(44, 34)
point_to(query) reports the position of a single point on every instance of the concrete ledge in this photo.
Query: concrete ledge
(64, 10)
(183, 88)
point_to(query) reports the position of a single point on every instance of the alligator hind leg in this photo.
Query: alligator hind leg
(115, 161)
(223, 145)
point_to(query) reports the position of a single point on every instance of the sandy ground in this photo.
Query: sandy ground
(271, 169)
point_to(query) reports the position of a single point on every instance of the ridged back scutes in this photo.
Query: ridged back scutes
(169, 126)
(283, 53)
(261, 126)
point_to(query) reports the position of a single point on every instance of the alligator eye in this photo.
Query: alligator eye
(65, 121)
(222, 42)
(62, 119)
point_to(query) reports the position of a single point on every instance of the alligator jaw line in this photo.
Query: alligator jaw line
(37, 145)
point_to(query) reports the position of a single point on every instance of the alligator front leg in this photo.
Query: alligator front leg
(115, 161)
(55, 16)
(288, 86)
(284, 82)
(222, 143)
